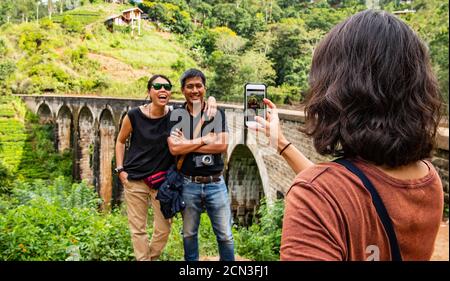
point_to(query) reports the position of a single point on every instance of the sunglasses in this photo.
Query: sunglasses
(158, 86)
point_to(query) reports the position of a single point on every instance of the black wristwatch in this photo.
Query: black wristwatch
(118, 170)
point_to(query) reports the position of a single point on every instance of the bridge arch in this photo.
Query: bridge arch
(107, 132)
(122, 116)
(45, 113)
(64, 129)
(86, 140)
(246, 182)
(108, 108)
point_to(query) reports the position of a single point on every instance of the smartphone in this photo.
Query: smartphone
(253, 102)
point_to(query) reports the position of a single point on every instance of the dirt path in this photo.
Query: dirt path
(117, 69)
(441, 246)
(216, 258)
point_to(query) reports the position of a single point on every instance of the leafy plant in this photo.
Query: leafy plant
(3, 48)
(71, 25)
(7, 68)
(261, 241)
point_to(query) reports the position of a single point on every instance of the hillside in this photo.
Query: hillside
(233, 41)
(75, 53)
(23, 143)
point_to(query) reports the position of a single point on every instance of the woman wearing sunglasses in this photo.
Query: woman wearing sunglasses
(145, 165)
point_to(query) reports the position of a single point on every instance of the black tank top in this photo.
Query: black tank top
(148, 152)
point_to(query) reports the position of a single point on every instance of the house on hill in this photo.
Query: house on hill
(114, 20)
(132, 14)
(131, 17)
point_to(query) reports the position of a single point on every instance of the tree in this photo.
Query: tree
(237, 19)
(19, 10)
(224, 82)
(256, 67)
(50, 8)
(169, 15)
(6, 11)
(291, 8)
(232, 71)
(199, 10)
(431, 22)
(227, 41)
(291, 51)
(61, 6)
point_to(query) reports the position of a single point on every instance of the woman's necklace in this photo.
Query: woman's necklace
(149, 111)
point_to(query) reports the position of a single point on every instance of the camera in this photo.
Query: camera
(203, 160)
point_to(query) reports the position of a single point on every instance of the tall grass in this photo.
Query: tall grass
(151, 51)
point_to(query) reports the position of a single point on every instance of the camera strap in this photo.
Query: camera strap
(196, 133)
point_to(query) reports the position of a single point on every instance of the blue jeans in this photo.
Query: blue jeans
(214, 197)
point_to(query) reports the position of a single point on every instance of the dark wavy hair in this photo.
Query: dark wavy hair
(373, 93)
(154, 77)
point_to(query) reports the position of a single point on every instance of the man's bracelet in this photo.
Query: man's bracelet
(281, 152)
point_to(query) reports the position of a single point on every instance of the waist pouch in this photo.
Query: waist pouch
(154, 181)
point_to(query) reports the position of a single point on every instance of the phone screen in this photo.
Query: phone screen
(254, 105)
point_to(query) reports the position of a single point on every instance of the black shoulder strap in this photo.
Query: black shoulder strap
(379, 206)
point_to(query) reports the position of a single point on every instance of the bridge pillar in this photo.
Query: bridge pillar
(107, 133)
(64, 129)
(85, 148)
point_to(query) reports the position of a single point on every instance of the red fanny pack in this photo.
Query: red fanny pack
(155, 180)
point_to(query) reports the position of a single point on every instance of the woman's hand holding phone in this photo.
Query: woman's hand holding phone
(211, 107)
(270, 126)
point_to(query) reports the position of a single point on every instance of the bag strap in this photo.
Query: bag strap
(379, 206)
(196, 132)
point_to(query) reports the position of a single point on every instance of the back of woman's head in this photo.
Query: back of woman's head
(372, 92)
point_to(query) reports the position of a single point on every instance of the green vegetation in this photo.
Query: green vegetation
(24, 143)
(431, 23)
(79, 17)
(58, 220)
(43, 214)
(234, 41)
(75, 53)
(261, 241)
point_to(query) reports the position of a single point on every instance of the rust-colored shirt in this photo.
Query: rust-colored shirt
(329, 215)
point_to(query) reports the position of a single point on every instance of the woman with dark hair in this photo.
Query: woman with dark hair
(373, 101)
(147, 160)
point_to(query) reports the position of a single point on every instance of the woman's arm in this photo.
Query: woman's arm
(295, 159)
(271, 126)
(124, 133)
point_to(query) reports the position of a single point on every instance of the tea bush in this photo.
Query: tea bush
(72, 25)
(7, 68)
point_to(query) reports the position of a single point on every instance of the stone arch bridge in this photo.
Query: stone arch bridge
(88, 126)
